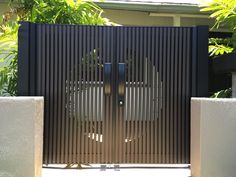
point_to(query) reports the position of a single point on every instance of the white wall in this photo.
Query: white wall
(213, 142)
(21, 136)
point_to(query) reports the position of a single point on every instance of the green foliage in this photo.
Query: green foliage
(60, 12)
(8, 58)
(218, 46)
(223, 11)
(38, 11)
(227, 93)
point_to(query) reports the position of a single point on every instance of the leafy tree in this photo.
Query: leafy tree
(38, 11)
(224, 12)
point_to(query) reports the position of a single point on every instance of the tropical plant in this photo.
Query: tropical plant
(8, 58)
(38, 11)
(219, 46)
(227, 93)
(224, 12)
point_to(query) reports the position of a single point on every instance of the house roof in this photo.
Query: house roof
(160, 6)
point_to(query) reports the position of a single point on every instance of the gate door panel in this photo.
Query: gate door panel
(113, 94)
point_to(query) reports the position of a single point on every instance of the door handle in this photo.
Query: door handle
(107, 78)
(121, 83)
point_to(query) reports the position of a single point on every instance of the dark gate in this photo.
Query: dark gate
(114, 94)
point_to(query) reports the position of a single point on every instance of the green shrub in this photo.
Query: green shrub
(227, 93)
(38, 11)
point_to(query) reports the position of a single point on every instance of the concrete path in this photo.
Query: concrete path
(127, 171)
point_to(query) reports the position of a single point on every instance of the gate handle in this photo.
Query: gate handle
(107, 78)
(121, 83)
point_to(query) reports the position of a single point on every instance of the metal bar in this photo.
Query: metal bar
(83, 121)
(95, 150)
(87, 79)
(136, 99)
(80, 95)
(175, 109)
(92, 103)
(33, 60)
(76, 138)
(90, 99)
(112, 57)
(156, 95)
(144, 117)
(101, 117)
(172, 96)
(48, 100)
(128, 119)
(23, 59)
(55, 91)
(164, 97)
(152, 100)
(132, 96)
(73, 101)
(141, 97)
(59, 96)
(187, 98)
(43, 58)
(124, 60)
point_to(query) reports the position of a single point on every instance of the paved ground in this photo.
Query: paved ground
(125, 171)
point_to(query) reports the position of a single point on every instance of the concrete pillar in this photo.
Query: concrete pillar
(234, 85)
(213, 144)
(21, 136)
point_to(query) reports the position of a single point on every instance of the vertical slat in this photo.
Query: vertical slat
(73, 96)
(176, 95)
(87, 86)
(83, 90)
(156, 96)
(128, 119)
(107, 105)
(43, 93)
(48, 101)
(187, 98)
(183, 97)
(95, 147)
(90, 103)
(152, 100)
(59, 95)
(93, 121)
(55, 95)
(136, 94)
(101, 117)
(168, 98)
(132, 96)
(80, 94)
(144, 116)
(148, 95)
(172, 96)
(125, 120)
(76, 138)
(70, 94)
(141, 79)
(112, 57)
(163, 125)
(52, 95)
(67, 124)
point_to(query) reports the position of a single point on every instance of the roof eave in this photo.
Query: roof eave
(152, 7)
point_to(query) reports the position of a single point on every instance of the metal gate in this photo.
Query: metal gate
(114, 94)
